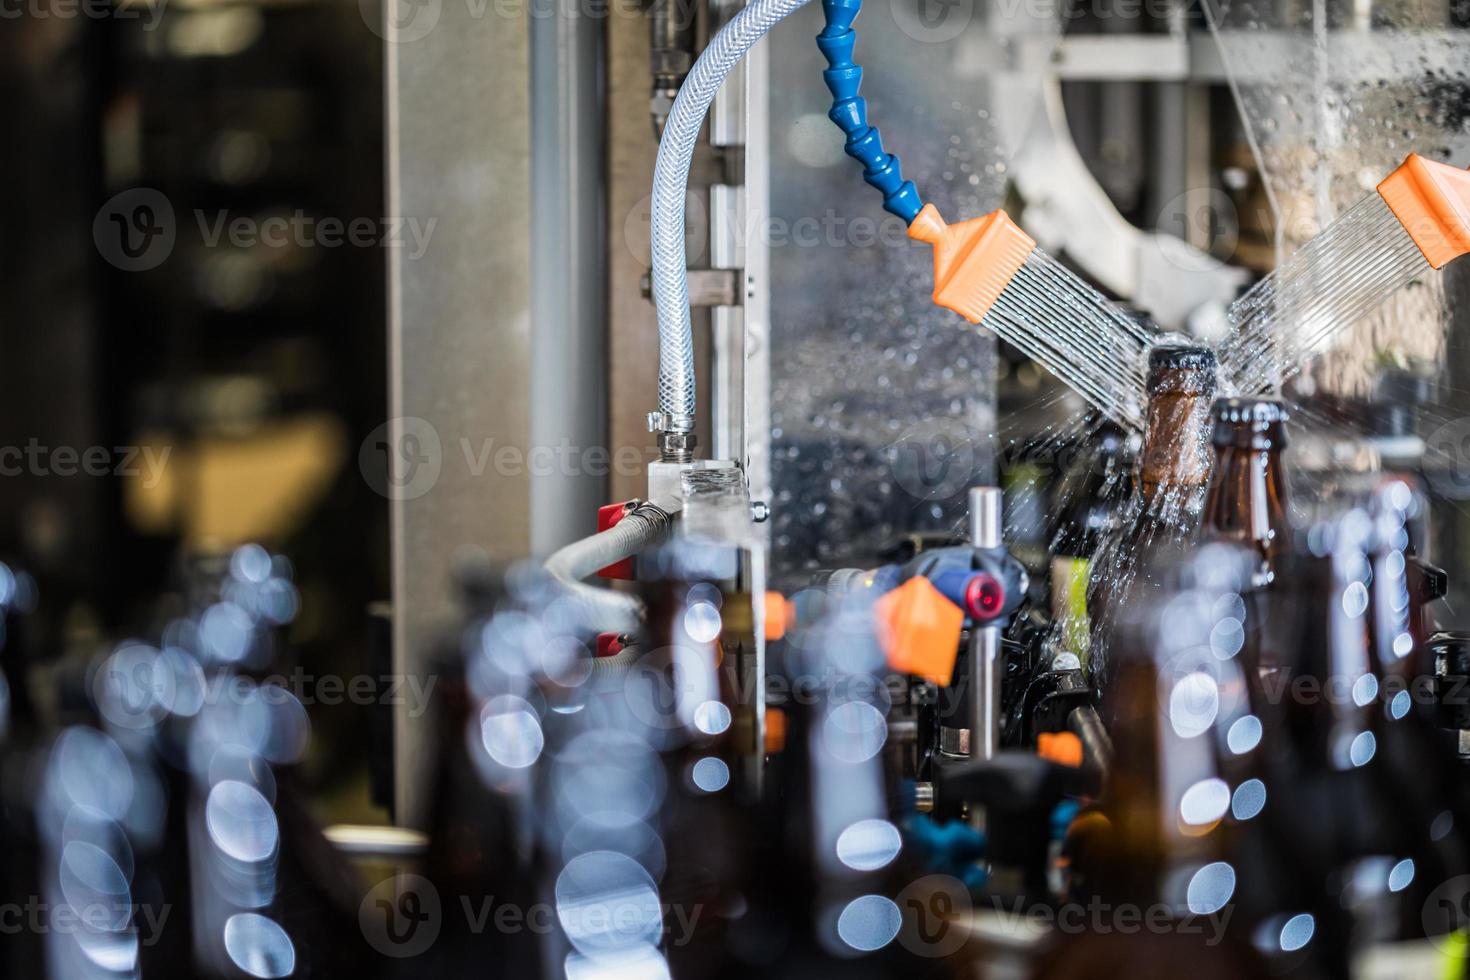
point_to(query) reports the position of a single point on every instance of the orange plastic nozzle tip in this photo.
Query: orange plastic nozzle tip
(920, 630)
(778, 615)
(775, 737)
(1432, 202)
(928, 225)
(974, 260)
(1063, 748)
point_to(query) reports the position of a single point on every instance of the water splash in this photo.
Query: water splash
(1074, 332)
(1327, 285)
(1334, 281)
(1123, 563)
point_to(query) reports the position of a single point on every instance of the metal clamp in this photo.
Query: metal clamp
(707, 287)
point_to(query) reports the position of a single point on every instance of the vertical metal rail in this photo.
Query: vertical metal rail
(986, 669)
(727, 231)
(568, 275)
(757, 309)
(739, 369)
(457, 135)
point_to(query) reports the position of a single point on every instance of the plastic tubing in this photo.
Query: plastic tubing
(670, 188)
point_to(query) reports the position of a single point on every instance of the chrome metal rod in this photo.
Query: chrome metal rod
(986, 517)
(985, 680)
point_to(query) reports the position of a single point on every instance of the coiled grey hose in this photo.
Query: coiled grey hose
(602, 609)
(670, 188)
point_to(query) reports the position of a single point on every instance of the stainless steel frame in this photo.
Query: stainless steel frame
(497, 331)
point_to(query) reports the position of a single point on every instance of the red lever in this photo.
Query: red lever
(607, 517)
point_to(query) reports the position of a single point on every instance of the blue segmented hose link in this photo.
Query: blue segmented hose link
(850, 111)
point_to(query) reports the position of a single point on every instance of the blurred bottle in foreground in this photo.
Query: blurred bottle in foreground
(1162, 847)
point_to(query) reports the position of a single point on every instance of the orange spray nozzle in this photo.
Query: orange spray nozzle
(1432, 202)
(919, 630)
(973, 260)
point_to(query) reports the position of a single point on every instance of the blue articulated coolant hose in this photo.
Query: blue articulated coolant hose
(850, 111)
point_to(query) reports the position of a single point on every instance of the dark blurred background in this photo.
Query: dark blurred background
(173, 382)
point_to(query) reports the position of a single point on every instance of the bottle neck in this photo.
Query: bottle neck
(1246, 503)
(1175, 465)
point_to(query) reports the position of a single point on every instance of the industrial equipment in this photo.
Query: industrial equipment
(490, 492)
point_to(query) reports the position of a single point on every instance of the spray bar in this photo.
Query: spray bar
(1421, 214)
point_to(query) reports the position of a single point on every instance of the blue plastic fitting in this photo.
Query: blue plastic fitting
(952, 848)
(1062, 817)
(850, 111)
(952, 581)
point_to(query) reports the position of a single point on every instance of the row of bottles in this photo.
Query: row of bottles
(1282, 777)
(628, 807)
(636, 799)
(154, 825)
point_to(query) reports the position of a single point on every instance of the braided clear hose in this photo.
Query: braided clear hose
(670, 188)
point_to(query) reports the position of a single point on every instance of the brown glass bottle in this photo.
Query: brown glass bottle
(1160, 836)
(1173, 476)
(1174, 467)
(1246, 503)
